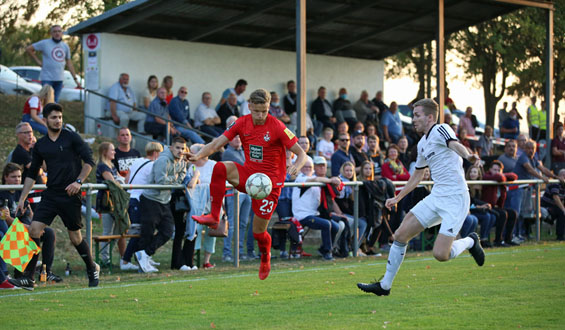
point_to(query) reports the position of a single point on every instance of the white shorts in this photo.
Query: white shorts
(450, 211)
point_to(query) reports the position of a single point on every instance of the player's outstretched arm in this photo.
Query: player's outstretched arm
(462, 151)
(300, 160)
(410, 185)
(209, 149)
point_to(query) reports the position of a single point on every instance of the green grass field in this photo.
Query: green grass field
(517, 288)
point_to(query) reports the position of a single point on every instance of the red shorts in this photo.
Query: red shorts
(263, 208)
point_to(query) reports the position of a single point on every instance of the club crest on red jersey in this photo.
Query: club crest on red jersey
(267, 137)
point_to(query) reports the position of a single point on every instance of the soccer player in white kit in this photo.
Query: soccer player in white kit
(448, 204)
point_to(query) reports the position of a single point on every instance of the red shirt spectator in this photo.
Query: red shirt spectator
(168, 85)
(558, 145)
(496, 195)
(393, 169)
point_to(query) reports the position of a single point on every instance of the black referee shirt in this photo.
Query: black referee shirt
(63, 158)
(22, 157)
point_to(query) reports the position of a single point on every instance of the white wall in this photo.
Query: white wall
(207, 67)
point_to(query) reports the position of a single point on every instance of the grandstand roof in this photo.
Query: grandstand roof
(367, 29)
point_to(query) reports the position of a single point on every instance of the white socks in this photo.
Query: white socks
(398, 250)
(461, 245)
(395, 258)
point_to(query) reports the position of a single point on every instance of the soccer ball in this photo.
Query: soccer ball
(258, 186)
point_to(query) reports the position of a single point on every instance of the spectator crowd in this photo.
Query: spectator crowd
(347, 141)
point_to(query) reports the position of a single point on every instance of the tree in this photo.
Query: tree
(531, 74)
(417, 63)
(491, 50)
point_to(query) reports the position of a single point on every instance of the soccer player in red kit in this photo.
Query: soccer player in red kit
(265, 140)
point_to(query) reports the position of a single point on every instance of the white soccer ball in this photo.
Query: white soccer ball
(258, 186)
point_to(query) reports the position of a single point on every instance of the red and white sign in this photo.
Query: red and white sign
(92, 41)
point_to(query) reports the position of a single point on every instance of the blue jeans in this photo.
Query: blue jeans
(250, 239)
(35, 125)
(469, 225)
(487, 220)
(328, 227)
(244, 214)
(135, 218)
(318, 127)
(362, 226)
(57, 87)
(513, 200)
(284, 208)
(189, 135)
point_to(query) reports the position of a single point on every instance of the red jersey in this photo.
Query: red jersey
(264, 146)
(32, 103)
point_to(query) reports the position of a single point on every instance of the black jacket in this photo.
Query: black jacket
(372, 198)
(318, 112)
(224, 112)
(289, 107)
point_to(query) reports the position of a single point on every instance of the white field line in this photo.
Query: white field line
(224, 277)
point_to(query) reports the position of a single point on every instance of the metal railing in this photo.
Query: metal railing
(166, 119)
(133, 133)
(90, 187)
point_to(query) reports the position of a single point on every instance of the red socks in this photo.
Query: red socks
(217, 189)
(264, 241)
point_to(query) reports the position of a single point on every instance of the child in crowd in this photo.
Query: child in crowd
(326, 147)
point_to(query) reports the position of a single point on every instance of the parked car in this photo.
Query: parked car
(71, 91)
(11, 83)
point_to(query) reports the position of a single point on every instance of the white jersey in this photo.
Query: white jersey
(446, 166)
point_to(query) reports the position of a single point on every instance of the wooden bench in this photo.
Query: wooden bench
(110, 239)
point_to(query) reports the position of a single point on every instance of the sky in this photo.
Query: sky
(402, 90)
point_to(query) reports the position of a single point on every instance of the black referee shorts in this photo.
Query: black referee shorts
(55, 203)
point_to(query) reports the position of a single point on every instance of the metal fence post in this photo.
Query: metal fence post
(89, 217)
(235, 242)
(355, 220)
(168, 133)
(537, 207)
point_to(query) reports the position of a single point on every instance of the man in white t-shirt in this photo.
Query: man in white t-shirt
(305, 203)
(55, 55)
(448, 203)
(139, 173)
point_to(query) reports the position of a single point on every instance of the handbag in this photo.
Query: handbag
(222, 230)
(180, 201)
(104, 202)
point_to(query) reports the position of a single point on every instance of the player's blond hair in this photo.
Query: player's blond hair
(429, 107)
(260, 96)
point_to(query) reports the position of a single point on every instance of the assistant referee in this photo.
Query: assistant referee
(69, 161)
